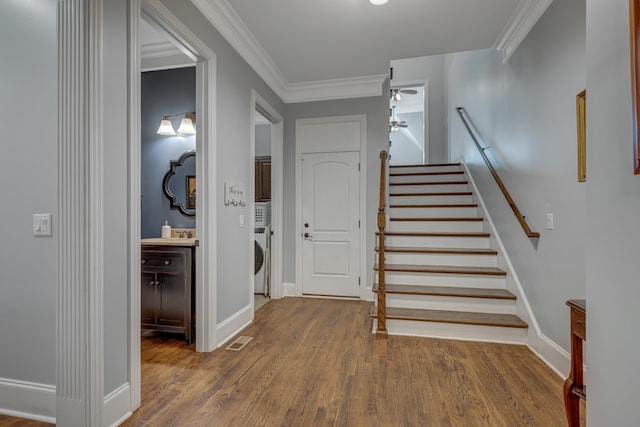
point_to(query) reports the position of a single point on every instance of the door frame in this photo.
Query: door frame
(258, 103)
(362, 188)
(206, 147)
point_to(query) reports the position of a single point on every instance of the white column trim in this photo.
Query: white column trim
(80, 329)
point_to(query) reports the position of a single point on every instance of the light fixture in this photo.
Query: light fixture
(186, 125)
(395, 95)
(378, 2)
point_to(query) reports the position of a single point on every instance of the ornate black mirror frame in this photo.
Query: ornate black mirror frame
(173, 199)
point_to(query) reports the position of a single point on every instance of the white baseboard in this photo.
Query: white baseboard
(28, 400)
(229, 327)
(117, 406)
(552, 354)
(289, 289)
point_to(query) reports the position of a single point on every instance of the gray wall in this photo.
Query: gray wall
(613, 205)
(165, 92)
(526, 112)
(263, 140)
(376, 110)
(235, 79)
(28, 171)
(429, 68)
(404, 151)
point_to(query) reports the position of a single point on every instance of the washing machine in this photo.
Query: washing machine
(262, 260)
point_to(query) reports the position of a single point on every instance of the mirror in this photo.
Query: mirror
(179, 184)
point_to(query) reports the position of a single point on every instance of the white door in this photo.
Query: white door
(330, 222)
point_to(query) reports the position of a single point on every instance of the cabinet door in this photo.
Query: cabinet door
(148, 298)
(265, 177)
(171, 299)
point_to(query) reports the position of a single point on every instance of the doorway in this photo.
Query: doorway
(156, 15)
(330, 202)
(266, 175)
(408, 127)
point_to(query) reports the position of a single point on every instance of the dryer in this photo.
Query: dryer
(262, 260)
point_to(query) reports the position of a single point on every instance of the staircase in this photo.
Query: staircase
(441, 274)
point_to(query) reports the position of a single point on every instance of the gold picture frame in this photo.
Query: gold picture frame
(634, 27)
(581, 100)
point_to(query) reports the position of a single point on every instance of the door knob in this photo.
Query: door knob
(306, 225)
(307, 235)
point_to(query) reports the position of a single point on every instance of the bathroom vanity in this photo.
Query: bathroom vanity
(168, 285)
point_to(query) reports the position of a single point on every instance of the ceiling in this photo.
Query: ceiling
(337, 39)
(328, 49)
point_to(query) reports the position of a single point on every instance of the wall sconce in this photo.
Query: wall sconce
(186, 125)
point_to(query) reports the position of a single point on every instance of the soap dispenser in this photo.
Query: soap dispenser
(166, 230)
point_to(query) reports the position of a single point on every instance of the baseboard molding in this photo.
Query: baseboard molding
(228, 328)
(117, 406)
(289, 289)
(552, 354)
(28, 400)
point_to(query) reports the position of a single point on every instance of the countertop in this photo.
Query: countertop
(158, 241)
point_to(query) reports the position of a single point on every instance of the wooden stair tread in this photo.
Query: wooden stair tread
(458, 317)
(429, 183)
(426, 173)
(447, 291)
(453, 251)
(444, 269)
(457, 193)
(468, 205)
(430, 165)
(457, 219)
(435, 234)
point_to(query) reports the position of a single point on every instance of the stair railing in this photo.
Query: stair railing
(381, 327)
(474, 135)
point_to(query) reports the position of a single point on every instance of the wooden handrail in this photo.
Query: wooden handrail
(381, 327)
(505, 192)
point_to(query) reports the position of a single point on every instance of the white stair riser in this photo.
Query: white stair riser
(408, 189)
(438, 242)
(471, 212)
(425, 200)
(432, 302)
(436, 226)
(439, 279)
(455, 331)
(462, 260)
(426, 178)
(421, 169)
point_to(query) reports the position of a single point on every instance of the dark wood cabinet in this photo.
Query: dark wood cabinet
(168, 290)
(263, 179)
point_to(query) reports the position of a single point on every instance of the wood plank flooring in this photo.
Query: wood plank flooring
(314, 362)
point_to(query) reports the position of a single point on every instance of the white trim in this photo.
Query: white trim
(363, 293)
(277, 191)
(289, 289)
(117, 406)
(233, 29)
(158, 50)
(229, 327)
(523, 19)
(552, 354)
(80, 260)
(353, 87)
(28, 400)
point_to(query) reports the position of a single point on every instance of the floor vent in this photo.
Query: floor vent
(239, 343)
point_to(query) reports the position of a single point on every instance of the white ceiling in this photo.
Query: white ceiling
(336, 39)
(329, 49)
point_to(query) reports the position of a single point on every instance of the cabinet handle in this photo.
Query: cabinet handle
(144, 261)
(152, 283)
(167, 262)
(157, 282)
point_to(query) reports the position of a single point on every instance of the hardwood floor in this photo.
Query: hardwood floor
(314, 362)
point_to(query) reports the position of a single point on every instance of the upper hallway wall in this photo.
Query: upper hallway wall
(526, 112)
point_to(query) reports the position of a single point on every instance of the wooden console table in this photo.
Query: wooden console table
(574, 387)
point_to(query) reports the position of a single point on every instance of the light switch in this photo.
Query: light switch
(42, 224)
(549, 221)
(241, 221)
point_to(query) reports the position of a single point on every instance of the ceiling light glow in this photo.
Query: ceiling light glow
(378, 2)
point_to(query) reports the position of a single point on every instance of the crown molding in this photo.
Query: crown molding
(233, 29)
(158, 50)
(354, 87)
(526, 15)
